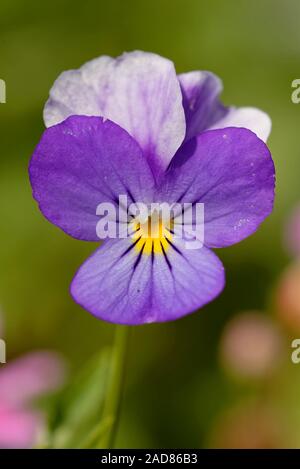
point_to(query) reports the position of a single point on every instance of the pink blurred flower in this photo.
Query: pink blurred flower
(250, 345)
(1, 328)
(21, 381)
(30, 376)
(292, 232)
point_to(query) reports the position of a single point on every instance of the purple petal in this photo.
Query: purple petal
(122, 284)
(139, 91)
(201, 103)
(232, 173)
(204, 111)
(82, 162)
(30, 376)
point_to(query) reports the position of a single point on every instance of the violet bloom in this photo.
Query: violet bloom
(21, 381)
(160, 137)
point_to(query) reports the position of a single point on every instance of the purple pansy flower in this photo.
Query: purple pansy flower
(131, 126)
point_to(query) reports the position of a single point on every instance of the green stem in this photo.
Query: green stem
(111, 409)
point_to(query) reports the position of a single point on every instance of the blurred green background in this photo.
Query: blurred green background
(176, 387)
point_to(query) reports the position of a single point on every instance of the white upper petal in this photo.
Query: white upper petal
(139, 91)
